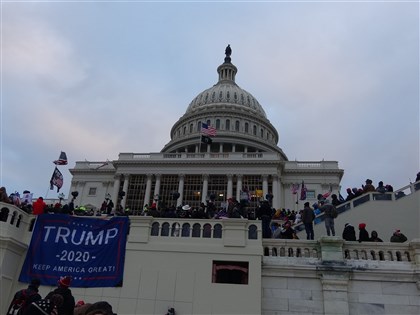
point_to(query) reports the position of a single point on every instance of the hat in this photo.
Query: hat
(306, 204)
(186, 207)
(64, 281)
(35, 282)
(368, 181)
(347, 224)
(397, 232)
(348, 190)
(362, 225)
(80, 303)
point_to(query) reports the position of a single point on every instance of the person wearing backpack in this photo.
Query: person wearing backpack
(67, 307)
(23, 298)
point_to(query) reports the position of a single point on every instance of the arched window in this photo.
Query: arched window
(14, 215)
(262, 133)
(254, 130)
(165, 229)
(208, 122)
(185, 130)
(217, 123)
(191, 128)
(196, 230)
(237, 125)
(4, 213)
(217, 231)
(19, 220)
(199, 126)
(252, 232)
(186, 230)
(175, 229)
(227, 124)
(246, 127)
(155, 229)
(207, 230)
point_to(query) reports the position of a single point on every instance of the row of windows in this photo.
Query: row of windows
(205, 231)
(235, 127)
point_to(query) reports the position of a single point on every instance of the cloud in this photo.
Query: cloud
(33, 50)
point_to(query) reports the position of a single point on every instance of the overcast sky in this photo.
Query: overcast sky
(338, 80)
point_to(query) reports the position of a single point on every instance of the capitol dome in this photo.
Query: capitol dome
(239, 119)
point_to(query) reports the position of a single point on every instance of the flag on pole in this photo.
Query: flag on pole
(56, 180)
(206, 139)
(303, 191)
(295, 188)
(208, 130)
(62, 160)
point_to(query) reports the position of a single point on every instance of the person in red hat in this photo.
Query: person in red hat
(69, 303)
(363, 234)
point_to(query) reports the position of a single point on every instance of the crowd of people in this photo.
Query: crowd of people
(277, 223)
(60, 301)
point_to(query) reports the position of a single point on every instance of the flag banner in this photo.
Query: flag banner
(206, 139)
(91, 251)
(303, 191)
(295, 188)
(62, 160)
(26, 198)
(208, 130)
(56, 179)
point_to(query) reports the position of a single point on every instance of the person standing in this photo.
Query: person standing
(69, 303)
(23, 298)
(308, 217)
(363, 234)
(330, 213)
(349, 234)
(39, 206)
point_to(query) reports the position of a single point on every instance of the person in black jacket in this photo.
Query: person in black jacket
(67, 307)
(363, 234)
(349, 234)
(23, 298)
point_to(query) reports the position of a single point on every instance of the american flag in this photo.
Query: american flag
(62, 160)
(208, 130)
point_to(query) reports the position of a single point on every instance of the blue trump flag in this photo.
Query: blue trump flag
(89, 250)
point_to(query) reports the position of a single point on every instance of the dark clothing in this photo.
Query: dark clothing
(68, 304)
(29, 294)
(398, 238)
(288, 233)
(363, 235)
(41, 307)
(308, 217)
(349, 234)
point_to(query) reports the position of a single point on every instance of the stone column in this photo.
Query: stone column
(117, 183)
(157, 185)
(180, 190)
(125, 189)
(205, 187)
(146, 200)
(265, 185)
(229, 186)
(238, 187)
(334, 276)
(276, 192)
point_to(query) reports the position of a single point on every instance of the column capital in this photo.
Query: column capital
(181, 176)
(229, 176)
(275, 176)
(205, 176)
(239, 176)
(264, 176)
(158, 175)
(149, 176)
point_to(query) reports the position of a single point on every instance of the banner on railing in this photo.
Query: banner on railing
(89, 250)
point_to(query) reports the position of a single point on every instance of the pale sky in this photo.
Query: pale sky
(338, 80)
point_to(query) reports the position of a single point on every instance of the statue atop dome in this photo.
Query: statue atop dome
(228, 52)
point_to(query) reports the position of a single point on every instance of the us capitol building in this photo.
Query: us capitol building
(243, 156)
